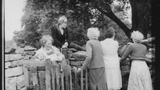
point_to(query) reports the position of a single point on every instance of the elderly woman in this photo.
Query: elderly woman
(60, 33)
(94, 61)
(47, 51)
(139, 78)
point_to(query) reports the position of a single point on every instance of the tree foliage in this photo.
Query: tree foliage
(40, 15)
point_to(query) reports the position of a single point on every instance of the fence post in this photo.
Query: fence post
(26, 76)
(53, 73)
(82, 80)
(33, 77)
(62, 80)
(86, 79)
(57, 79)
(54, 78)
(42, 80)
(47, 75)
(70, 77)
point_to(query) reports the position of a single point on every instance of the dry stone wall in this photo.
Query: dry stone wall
(14, 75)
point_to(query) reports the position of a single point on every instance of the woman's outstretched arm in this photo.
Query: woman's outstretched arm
(126, 53)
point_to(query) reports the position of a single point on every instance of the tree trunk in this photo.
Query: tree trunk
(140, 16)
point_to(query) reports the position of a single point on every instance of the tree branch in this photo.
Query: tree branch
(112, 16)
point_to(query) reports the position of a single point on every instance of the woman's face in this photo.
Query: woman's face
(48, 44)
(64, 24)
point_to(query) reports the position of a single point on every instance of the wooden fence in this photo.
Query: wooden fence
(48, 75)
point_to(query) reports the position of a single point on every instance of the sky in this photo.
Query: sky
(13, 14)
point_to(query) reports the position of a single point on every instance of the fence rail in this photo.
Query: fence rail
(48, 75)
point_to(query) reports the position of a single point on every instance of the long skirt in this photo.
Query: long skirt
(113, 78)
(140, 78)
(97, 79)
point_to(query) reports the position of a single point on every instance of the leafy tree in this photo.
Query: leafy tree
(41, 15)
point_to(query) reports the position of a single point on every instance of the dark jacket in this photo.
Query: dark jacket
(58, 38)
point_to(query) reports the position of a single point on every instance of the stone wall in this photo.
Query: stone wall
(14, 75)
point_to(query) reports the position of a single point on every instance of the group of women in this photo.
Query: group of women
(102, 61)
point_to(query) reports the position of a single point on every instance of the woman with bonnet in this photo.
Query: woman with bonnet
(140, 78)
(48, 51)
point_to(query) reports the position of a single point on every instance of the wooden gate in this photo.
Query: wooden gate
(48, 75)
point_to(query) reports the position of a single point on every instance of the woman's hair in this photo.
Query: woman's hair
(110, 32)
(62, 19)
(45, 38)
(137, 36)
(93, 33)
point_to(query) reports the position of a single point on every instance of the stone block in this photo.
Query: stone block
(29, 52)
(13, 64)
(10, 50)
(13, 71)
(19, 50)
(20, 81)
(10, 83)
(29, 48)
(11, 57)
(24, 88)
(80, 55)
(7, 64)
(27, 57)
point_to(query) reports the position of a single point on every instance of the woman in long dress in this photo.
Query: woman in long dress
(111, 60)
(140, 78)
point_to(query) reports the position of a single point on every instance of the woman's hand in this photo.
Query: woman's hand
(40, 57)
(121, 61)
(148, 60)
(65, 45)
(129, 43)
(79, 71)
